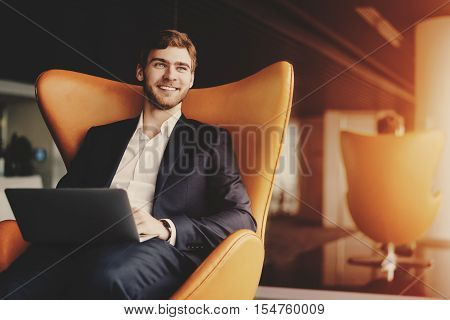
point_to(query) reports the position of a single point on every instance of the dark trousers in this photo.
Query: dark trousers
(153, 269)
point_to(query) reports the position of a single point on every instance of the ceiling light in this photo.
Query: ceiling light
(379, 23)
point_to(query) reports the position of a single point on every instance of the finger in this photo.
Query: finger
(139, 230)
(142, 230)
(137, 214)
(134, 209)
(137, 219)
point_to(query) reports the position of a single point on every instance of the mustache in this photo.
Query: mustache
(167, 84)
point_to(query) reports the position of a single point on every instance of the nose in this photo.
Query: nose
(170, 74)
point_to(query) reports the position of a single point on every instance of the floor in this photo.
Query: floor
(300, 257)
(278, 293)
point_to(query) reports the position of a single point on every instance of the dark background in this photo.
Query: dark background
(234, 39)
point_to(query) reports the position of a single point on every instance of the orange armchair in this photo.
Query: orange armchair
(390, 181)
(71, 103)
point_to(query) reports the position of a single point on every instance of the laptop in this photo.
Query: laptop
(73, 215)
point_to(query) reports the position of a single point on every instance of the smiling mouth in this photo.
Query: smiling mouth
(167, 88)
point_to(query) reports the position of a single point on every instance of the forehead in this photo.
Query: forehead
(171, 54)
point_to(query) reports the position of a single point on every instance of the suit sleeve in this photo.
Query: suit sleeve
(231, 203)
(73, 177)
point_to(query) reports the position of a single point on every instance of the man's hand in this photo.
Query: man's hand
(149, 226)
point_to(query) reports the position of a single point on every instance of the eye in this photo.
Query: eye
(182, 69)
(159, 65)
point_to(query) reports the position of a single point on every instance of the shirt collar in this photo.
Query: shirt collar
(166, 127)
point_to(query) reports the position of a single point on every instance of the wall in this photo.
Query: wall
(433, 104)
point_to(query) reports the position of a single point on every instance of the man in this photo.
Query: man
(182, 181)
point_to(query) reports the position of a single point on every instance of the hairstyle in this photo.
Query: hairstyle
(168, 38)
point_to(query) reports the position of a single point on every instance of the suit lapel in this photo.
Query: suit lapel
(120, 142)
(121, 137)
(172, 153)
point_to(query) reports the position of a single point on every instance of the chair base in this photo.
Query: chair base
(390, 262)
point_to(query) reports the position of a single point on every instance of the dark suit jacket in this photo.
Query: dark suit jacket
(198, 186)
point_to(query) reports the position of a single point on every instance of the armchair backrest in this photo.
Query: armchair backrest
(390, 182)
(72, 102)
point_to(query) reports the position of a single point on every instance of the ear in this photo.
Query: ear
(192, 80)
(139, 72)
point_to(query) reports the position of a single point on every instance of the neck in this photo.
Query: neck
(154, 117)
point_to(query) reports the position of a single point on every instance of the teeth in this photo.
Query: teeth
(167, 88)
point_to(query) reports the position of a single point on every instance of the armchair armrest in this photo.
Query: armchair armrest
(234, 266)
(12, 244)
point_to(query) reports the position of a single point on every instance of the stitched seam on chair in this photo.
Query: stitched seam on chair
(218, 265)
(266, 211)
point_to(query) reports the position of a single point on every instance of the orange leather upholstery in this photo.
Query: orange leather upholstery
(12, 244)
(71, 103)
(390, 182)
(229, 272)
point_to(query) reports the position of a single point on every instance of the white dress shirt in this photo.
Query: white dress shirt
(138, 169)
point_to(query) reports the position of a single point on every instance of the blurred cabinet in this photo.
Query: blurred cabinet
(334, 195)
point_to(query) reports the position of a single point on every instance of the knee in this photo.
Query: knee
(106, 283)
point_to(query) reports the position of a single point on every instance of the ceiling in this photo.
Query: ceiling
(340, 19)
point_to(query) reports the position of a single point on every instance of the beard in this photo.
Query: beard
(162, 102)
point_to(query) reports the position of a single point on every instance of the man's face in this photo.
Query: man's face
(167, 76)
